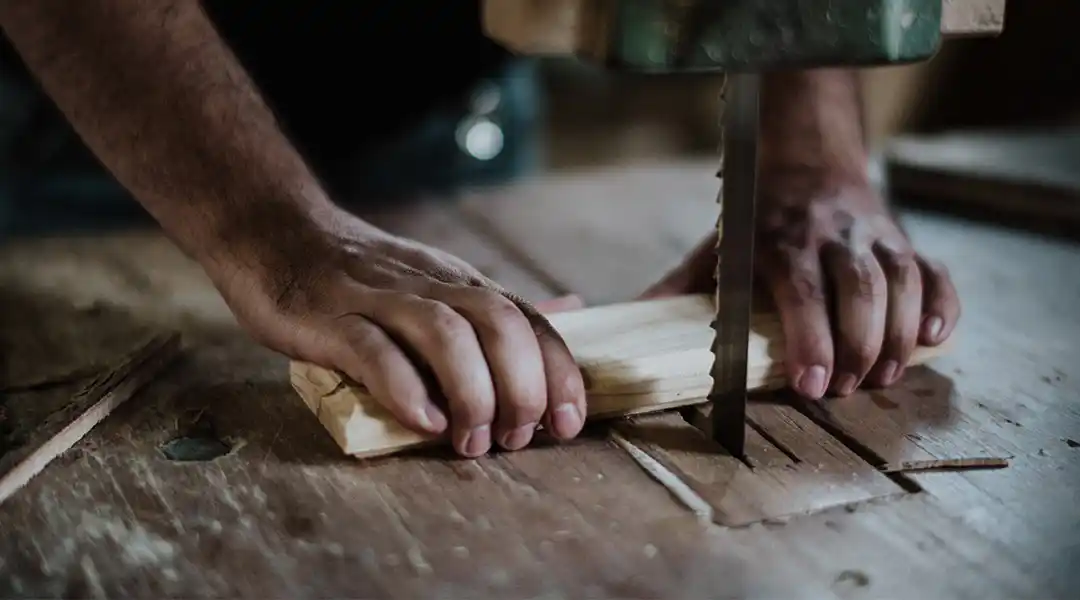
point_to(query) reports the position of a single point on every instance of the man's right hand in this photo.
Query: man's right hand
(394, 315)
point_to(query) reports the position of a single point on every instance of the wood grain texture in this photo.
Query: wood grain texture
(115, 517)
(284, 514)
(794, 468)
(28, 447)
(635, 357)
(1015, 358)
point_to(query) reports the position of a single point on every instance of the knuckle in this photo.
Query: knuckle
(796, 276)
(443, 322)
(529, 405)
(520, 412)
(864, 355)
(471, 410)
(899, 264)
(567, 385)
(499, 311)
(368, 352)
(783, 257)
(806, 288)
(866, 280)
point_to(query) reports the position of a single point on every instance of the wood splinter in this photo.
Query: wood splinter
(100, 396)
(636, 358)
(950, 464)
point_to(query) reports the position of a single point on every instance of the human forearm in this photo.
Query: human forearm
(155, 93)
(813, 120)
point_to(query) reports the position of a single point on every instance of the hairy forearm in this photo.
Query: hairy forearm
(156, 94)
(813, 119)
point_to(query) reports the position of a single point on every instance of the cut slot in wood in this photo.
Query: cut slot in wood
(637, 357)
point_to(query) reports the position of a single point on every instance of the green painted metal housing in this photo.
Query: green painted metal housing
(756, 35)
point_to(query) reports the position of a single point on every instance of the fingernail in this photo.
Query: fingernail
(845, 385)
(889, 372)
(519, 438)
(477, 441)
(431, 419)
(812, 383)
(567, 420)
(933, 327)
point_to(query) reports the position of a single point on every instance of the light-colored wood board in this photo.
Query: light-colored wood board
(635, 357)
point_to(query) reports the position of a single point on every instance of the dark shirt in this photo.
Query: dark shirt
(343, 72)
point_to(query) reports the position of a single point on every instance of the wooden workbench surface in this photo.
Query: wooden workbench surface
(282, 514)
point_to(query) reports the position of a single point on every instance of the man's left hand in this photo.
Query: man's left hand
(853, 295)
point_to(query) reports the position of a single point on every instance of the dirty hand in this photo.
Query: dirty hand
(391, 314)
(853, 295)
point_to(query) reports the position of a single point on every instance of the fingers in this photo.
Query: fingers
(513, 356)
(861, 310)
(364, 352)
(940, 305)
(904, 301)
(444, 340)
(566, 412)
(798, 289)
(499, 364)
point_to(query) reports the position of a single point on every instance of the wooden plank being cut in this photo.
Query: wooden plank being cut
(636, 357)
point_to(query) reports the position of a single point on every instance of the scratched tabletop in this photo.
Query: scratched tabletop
(215, 480)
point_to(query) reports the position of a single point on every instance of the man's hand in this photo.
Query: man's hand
(405, 319)
(853, 295)
(302, 276)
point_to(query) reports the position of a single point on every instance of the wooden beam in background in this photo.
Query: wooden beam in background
(566, 27)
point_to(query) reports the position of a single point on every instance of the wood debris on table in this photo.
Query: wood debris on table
(950, 464)
(26, 448)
